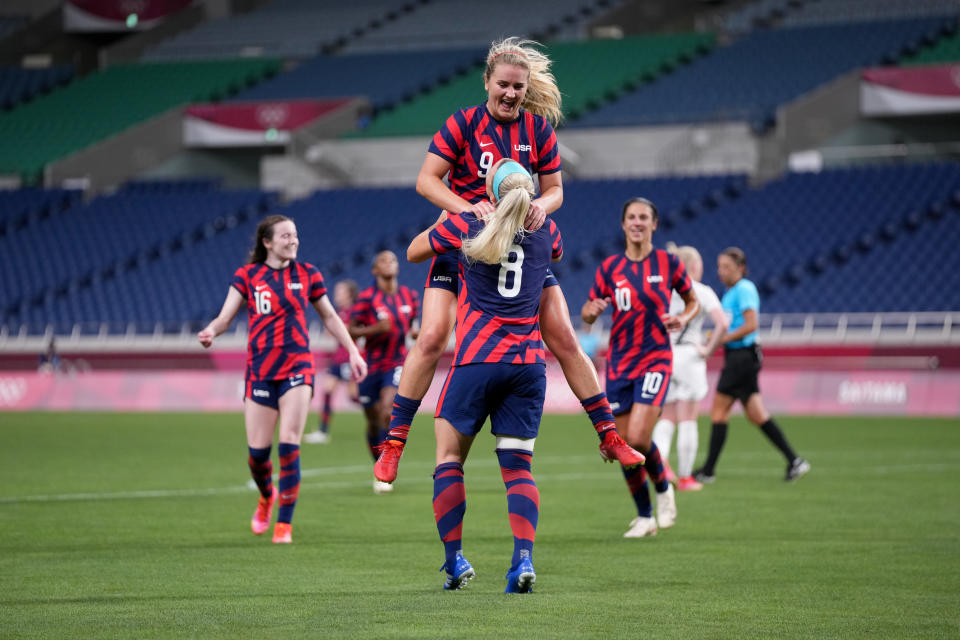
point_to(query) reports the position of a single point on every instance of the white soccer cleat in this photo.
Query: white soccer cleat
(667, 508)
(796, 469)
(381, 487)
(316, 437)
(641, 528)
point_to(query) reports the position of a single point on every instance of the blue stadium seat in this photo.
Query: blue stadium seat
(748, 79)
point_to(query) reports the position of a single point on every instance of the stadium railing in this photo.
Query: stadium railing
(928, 327)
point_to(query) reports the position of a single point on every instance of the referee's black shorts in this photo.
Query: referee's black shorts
(741, 368)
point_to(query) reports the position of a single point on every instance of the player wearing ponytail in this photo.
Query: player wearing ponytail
(277, 289)
(499, 368)
(515, 123)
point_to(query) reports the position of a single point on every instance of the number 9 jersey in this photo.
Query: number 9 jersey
(472, 141)
(498, 307)
(278, 345)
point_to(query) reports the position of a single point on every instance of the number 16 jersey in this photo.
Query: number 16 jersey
(278, 345)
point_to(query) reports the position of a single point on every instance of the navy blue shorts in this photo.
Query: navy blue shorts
(445, 274)
(650, 388)
(510, 394)
(369, 389)
(340, 371)
(268, 392)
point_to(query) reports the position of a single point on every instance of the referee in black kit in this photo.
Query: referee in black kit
(742, 362)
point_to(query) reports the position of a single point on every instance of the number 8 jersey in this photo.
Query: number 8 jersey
(498, 308)
(640, 293)
(278, 346)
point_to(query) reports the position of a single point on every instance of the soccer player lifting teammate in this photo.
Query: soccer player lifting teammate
(499, 369)
(515, 123)
(277, 289)
(638, 283)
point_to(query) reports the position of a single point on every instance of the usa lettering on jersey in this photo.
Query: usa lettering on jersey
(278, 344)
(498, 308)
(472, 141)
(640, 292)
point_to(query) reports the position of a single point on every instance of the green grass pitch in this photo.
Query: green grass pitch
(137, 526)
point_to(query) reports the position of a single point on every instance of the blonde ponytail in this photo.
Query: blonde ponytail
(543, 96)
(500, 228)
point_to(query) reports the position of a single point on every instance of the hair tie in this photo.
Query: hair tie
(505, 52)
(507, 168)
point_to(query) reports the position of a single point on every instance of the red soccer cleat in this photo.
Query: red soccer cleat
(668, 472)
(385, 469)
(282, 533)
(261, 517)
(614, 447)
(688, 483)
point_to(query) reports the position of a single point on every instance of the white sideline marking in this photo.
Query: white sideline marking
(416, 479)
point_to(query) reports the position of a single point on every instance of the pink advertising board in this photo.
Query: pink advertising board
(855, 392)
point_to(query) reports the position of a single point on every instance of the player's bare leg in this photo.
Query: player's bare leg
(439, 316)
(578, 369)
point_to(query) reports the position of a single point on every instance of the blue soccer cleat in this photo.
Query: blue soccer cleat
(521, 578)
(462, 573)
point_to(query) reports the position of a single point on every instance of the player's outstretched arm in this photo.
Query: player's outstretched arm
(231, 306)
(431, 186)
(333, 323)
(420, 249)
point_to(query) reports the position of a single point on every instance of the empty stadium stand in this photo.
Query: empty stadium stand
(18, 85)
(750, 78)
(283, 29)
(107, 102)
(588, 73)
(385, 79)
(159, 257)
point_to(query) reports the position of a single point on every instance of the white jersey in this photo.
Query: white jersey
(693, 332)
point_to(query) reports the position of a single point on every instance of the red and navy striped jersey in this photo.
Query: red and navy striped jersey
(640, 294)
(278, 346)
(386, 350)
(498, 308)
(473, 141)
(340, 355)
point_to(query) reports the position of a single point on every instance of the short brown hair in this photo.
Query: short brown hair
(737, 255)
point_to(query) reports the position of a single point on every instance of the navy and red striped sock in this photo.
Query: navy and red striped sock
(637, 484)
(325, 412)
(598, 408)
(523, 500)
(289, 480)
(261, 469)
(654, 466)
(404, 410)
(373, 443)
(449, 506)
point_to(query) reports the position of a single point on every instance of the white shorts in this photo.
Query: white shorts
(689, 379)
